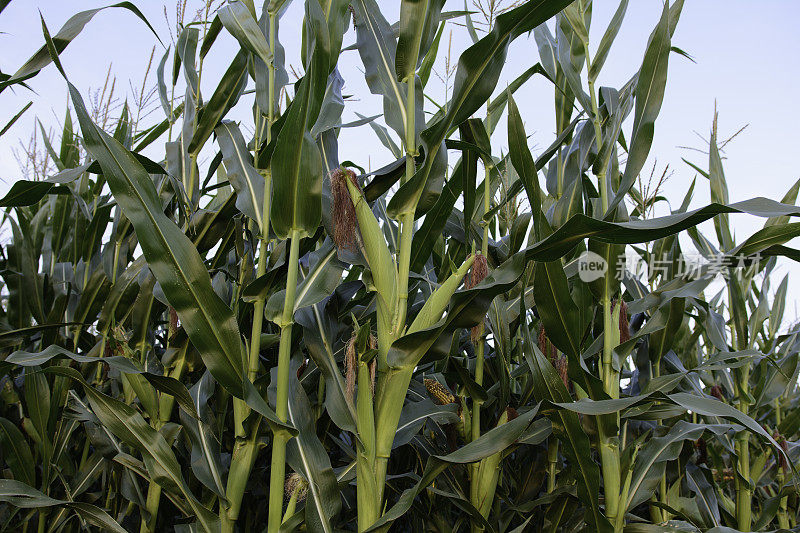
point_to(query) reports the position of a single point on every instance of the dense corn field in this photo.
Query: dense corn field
(274, 338)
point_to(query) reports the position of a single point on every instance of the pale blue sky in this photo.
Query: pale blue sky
(746, 57)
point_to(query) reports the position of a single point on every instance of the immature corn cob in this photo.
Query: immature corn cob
(716, 392)
(624, 327)
(478, 272)
(558, 360)
(345, 224)
(782, 462)
(350, 364)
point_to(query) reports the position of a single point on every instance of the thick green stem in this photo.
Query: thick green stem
(151, 504)
(278, 465)
(476, 404)
(783, 516)
(242, 460)
(246, 447)
(42, 521)
(552, 464)
(663, 494)
(744, 493)
(393, 383)
(475, 490)
(626, 488)
(783, 519)
(368, 504)
(476, 418)
(407, 219)
(610, 466)
(404, 264)
(387, 416)
(488, 475)
(258, 306)
(609, 444)
(166, 403)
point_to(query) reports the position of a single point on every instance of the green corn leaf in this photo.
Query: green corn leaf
(61, 40)
(712, 407)
(15, 118)
(23, 193)
(224, 98)
(239, 21)
(318, 339)
(789, 198)
(163, 97)
(523, 163)
(418, 22)
(580, 227)
(245, 179)
(567, 427)
(377, 47)
(322, 279)
(479, 69)
(705, 495)
(324, 500)
(129, 426)
(171, 256)
(431, 229)
(296, 163)
(211, 36)
(426, 65)
(490, 443)
(436, 304)
(607, 40)
(558, 311)
(22, 495)
(37, 401)
(119, 363)
(16, 453)
(658, 450)
(176, 263)
(652, 80)
(206, 449)
(414, 416)
(496, 107)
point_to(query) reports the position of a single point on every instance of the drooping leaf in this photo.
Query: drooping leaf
(62, 39)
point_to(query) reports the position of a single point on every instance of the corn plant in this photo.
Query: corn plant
(249, 330)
